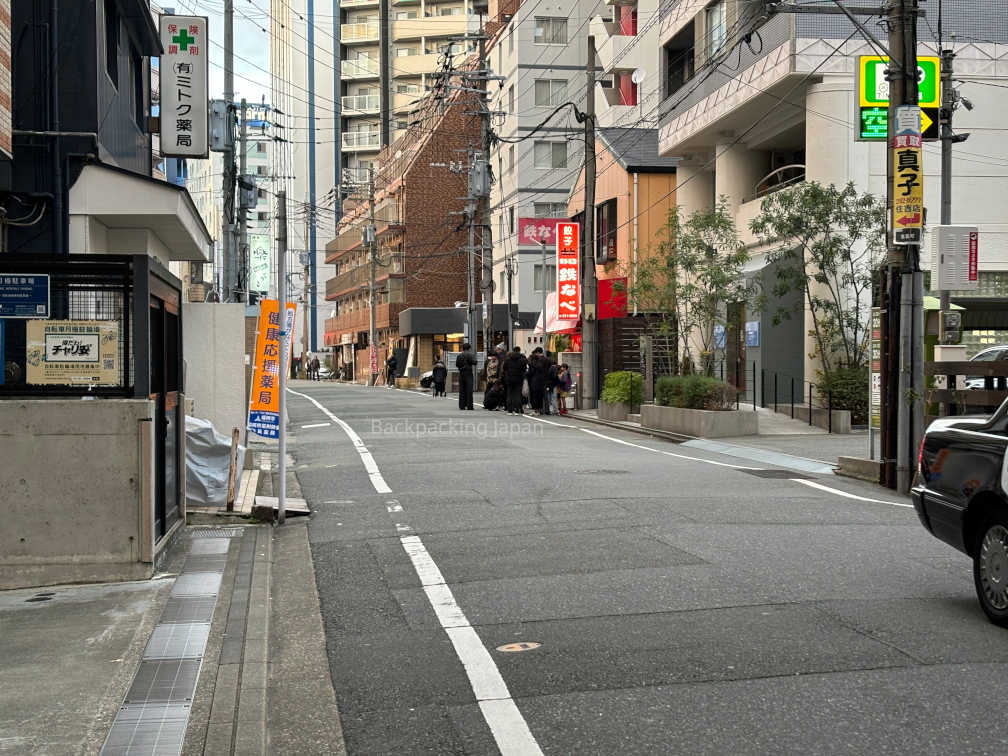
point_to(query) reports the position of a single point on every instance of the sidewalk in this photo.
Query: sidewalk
(224, 653)
(782, 442)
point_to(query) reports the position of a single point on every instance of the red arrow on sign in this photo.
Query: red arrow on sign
(906, 220)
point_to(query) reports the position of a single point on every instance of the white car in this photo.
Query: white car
(990, 354)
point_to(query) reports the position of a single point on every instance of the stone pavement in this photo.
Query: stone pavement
(223, 653)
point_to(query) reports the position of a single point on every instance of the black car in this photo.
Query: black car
(961, 496)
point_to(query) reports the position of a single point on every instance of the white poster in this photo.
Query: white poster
(183, 67)
(259, 262)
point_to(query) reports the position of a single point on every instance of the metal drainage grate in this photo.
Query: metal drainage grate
(147, 728)
(216, 532)
(788, 474)
(207, 546)
(188, 609)
(179, 640)
(197, 584)
(164, 681)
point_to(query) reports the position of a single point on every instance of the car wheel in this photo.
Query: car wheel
(990, 569)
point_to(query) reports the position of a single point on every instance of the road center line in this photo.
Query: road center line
(369, 464)
(838, 492)
(508, 726)
(667, 453)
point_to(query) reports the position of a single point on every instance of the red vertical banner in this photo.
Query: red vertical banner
(568, 271)
(973, 254)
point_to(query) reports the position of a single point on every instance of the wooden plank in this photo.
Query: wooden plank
(999, 368)
(248, 497)
(233, 471)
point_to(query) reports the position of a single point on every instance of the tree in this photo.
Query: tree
(825, 242)
(690, 279)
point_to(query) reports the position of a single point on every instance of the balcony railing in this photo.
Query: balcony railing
(359, 277)
(361, 68)
(360, 104)
(781, 178)
(361, 140)
(357, 3)
(354, 175)
(366, 32)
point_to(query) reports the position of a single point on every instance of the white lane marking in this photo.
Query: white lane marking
(668, 453)
(315, 425)
(369, 464)
(508, 726)
(548, 422)
(838, 492)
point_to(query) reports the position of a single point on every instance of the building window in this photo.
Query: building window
(607, 228)
(550, 91)
(260, 147)
(502, 284)
(511, 159)
(260, 170)
(717, 29)
(550, 31)
(549, 209)
(407, 89)
(137, 79)
(403, 52)
(262, 216)
(511, 107)
(511, 38)
(402, 123)
(405, 15)
(112, 41)
(537, 278)
(511, 219)
(455, 11)
(550, 154)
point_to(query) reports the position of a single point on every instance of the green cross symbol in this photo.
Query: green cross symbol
(183, 40)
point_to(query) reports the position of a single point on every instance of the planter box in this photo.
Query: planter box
(700, 423)
(615, 412)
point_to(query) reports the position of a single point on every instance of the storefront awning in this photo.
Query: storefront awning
(118, 211)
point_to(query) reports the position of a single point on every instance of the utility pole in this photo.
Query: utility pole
(906, 290)
(304, 273)
(284, 351)
(589, 294)
(483, 208)
(947, 100)
(243, 274)
(510, 271)
(542, 281)
(372, 244)
(471, 295)
(229, 168)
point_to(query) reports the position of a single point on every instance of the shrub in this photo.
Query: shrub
(849, 387)
(623, 387)
(695, 392)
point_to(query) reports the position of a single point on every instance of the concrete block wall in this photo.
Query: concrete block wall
(78, 491)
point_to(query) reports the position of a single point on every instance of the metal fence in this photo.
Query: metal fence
(82, 288)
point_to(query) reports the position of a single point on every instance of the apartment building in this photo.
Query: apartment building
(419, 241)
(786, 109)
(305, 84)
(541, 50)
(390, 49)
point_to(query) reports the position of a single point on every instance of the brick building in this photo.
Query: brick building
(420, 240)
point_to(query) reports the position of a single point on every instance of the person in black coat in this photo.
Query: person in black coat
(438, 377)
(537, 373)
(465, 363)
(513, 371)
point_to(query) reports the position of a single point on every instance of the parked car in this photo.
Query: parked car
(990, 354)
(961, 497)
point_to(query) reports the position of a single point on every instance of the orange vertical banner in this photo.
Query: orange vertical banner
(264, 401)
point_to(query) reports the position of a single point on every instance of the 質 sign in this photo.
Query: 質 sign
(873, 96)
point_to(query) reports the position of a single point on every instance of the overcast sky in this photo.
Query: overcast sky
(252, 45)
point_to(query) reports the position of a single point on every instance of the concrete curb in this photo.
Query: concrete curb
(299, 665)
(650, 432)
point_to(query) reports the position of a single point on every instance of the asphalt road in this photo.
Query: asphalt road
(683, 605)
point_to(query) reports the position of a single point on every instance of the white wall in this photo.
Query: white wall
(213, 337)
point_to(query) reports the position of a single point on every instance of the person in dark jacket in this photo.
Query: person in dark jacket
(537, 370)
(515, 367)
(465, 363)
(438, 377)
(549, 393)
(390, 370)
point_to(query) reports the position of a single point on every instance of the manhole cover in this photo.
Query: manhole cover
(513, 648)
(600, 472)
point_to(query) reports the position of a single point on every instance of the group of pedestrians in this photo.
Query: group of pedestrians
(312, 367)
(516, 380)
